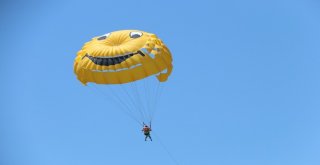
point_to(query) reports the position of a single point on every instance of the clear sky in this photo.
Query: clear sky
(245, 89)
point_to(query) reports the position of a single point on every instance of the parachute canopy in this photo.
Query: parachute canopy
(122, 57)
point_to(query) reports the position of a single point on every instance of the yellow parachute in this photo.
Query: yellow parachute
(122, 57)
(126, 59)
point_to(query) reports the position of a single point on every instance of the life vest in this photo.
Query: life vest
(146, 129)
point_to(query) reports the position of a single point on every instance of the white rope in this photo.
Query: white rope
(174, 160)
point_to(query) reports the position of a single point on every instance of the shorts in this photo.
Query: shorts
(147, 133)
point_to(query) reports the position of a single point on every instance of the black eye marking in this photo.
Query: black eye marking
(104, 36)
(135, 34)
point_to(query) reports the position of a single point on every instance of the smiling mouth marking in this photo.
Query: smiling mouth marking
(107, 61)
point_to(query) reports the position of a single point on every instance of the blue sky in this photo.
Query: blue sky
(244, 90)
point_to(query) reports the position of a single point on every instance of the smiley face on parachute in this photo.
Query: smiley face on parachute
(122, 57)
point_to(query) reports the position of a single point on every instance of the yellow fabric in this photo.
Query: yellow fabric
(157, 60)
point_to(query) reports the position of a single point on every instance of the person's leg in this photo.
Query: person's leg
(150, 138)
